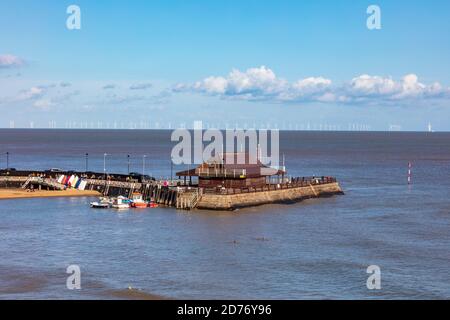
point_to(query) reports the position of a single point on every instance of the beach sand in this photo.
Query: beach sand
(20, 193)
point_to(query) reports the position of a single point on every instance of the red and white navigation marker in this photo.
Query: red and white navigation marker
(409, 172)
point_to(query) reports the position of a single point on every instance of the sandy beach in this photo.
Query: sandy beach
(20, 193)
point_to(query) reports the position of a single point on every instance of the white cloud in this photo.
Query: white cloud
(44, 96)
(256, 84)
(32, 93)
(262, 84)
(43, 104)
(141, 86)
(312, 83)
(310, 89)
(123, 99)
(254, 81)
(10, 61)
(212, 85)
(367, 87)
(65, 84)
(47, 86)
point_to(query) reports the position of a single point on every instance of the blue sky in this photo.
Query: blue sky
(285, 64)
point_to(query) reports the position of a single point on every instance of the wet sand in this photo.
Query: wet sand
(20, 193)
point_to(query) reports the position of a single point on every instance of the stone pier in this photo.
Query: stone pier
(288, 195)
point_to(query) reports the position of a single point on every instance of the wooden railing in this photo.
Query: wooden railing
(13, 179)
(113, 183)
(292, 183)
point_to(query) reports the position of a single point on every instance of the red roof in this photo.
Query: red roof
(231, 166)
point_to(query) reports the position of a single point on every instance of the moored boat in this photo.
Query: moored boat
(120, 204)
(137, 201)
(152, 204)
(99, 205)
(125, 200)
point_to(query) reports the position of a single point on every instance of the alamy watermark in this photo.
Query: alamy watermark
(374, 20)
(73, 21)
(236, 146)
(374, 280)
(73, 281)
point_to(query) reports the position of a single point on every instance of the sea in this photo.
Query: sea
(314, 249)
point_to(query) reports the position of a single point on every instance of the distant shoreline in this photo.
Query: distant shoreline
(223, 129)
(6, 194)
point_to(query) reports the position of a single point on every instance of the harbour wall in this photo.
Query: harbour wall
(288, 195)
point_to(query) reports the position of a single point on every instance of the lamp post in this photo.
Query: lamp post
(171, 170)
(104, 163)
(7, 167)
(87, 162)
(128, 160)
(104, 170)
(143, 165)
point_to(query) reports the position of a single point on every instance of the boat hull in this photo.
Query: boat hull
(120, 206)
(139, 205)
(97, 205)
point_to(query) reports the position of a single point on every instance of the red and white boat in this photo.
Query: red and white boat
(137, 201)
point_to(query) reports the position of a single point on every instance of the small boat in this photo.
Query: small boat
(106, 200)
(139, 205)
(99, 205)
(119, 204)
(125, 199)
(137, 201)
(152, 204)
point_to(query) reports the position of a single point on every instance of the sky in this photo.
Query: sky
(278, 64)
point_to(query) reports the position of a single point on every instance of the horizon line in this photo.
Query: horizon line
(223, 129)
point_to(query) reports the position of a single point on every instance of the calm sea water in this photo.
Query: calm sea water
(314, 249)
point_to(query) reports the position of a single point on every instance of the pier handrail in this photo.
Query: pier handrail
(291, 183)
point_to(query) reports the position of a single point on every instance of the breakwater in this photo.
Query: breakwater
(176, 193)
(283, 193)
